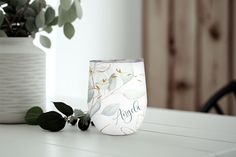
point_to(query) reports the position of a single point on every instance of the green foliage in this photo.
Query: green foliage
(63, 108)
(49, 15)
(24, 18)
(66, 4)
(69, 30)
(78, 113)
(40, 19)
(51, 121)
(48, 29)
(78, 9)
(67, 16)
(84, 122)
(30, 24)
(32, 115)
(54, 121)
(45, 41)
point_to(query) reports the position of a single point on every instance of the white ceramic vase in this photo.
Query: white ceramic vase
(22, 78)
(117, 98)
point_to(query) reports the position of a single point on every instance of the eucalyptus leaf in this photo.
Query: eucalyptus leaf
(78, 113)
(84, 122)
(69, 30)
(48, 29)
(49, 15)
(45, 41)
(95, 108)
(51, 121)
(133, 94)
(13, 2)
(73, 120)
(20, 3)
(30, 12)
(67, 16)
(126, 77)
(90, 95)
(33, 34)
(30, 24)
(127, 73)
(112, 83)
(38, 5)
(32, 115)
(78, 9)
(54, 21)
(40, 19)
(27, 17)
(66, 4)
(110, 110)
(63, 108)
(9, 10)
(1, 17)
(1, 3)
(2, 34)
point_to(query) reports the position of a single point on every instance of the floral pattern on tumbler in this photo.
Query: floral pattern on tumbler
(117, 98)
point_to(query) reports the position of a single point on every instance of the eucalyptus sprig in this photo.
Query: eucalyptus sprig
(54, 121)
(24, 18)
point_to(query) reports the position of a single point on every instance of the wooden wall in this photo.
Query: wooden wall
(190, 51)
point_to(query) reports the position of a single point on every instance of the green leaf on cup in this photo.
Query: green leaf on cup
(63, 108)
(95, 108)
(90, 95)
(45, 41)
(110, 110)
(51, 121)
(32, 115)
(69, 30)
(133, 94)
(112, 82)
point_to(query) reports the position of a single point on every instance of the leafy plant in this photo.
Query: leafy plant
(54, 121)
(32, 115)
(24, 18)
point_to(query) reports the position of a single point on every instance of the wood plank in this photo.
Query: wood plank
(155, 50)
(234, 38)
(213, 48)
(184, 73)
(234, 52)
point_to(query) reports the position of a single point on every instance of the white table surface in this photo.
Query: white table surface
(164, 133)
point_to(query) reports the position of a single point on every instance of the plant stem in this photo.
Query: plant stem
(8, 23)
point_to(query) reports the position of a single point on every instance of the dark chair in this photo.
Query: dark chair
(212, 103)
